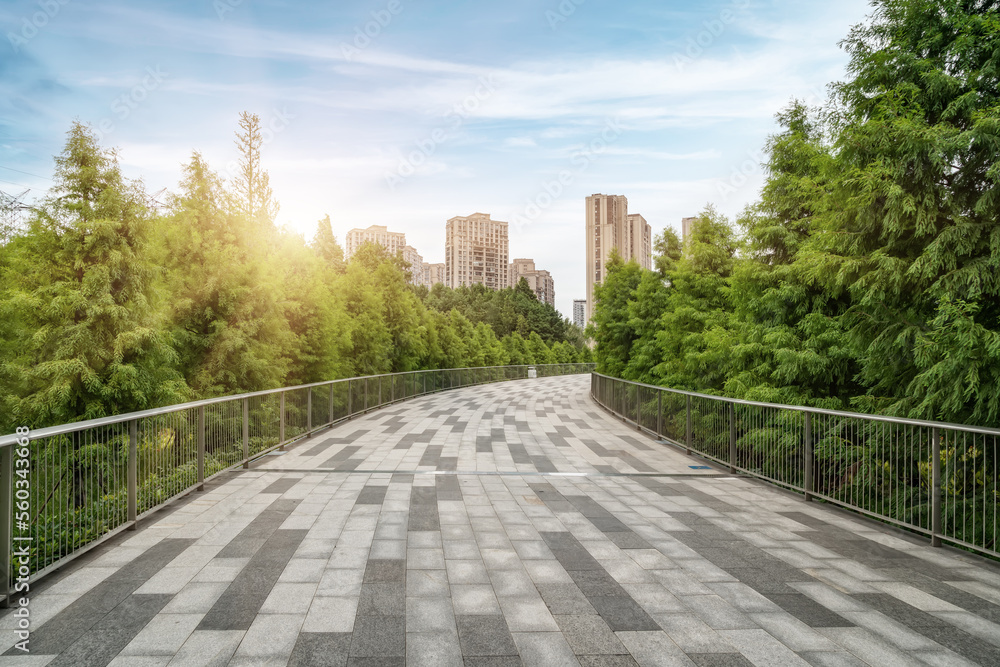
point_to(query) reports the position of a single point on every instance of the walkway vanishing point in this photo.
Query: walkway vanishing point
(507, 524)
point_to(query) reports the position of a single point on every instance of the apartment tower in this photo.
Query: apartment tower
(580, 313)
(609, 225)
(476, 251)
(539, 281)
(434, 274)
(392, 241)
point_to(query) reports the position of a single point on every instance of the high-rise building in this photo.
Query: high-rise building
(411, 255)
(392, 241)
(609, 225)
(580, 313)
(433, 274)
(475, 251)
(686, 224)
(518, 268)
(539, 281)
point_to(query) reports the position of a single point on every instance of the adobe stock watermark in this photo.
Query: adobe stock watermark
(713, 30)
(428, 146)
(562, 13)
(31, 25)
(550, 191)
(365, 35)
(20, 557)
(741, 174)
(223, 7)
(125, 104)
(276, 123)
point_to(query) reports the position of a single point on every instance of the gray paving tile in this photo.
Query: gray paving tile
(378, 636)
(607, 661)
(99, 645)
(485, 636)
(60, 632)
(321, 649)
(434, 648)
(623, 614)
(382, 599)
(237, 607)
(589, 634)
(719, 660)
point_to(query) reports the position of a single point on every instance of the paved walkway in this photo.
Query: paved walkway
(503, 525)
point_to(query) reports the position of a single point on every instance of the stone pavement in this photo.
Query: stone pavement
(507, 524)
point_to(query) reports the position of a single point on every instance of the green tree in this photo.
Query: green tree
(917, 231)
(251, 195)
(326, 246)
(80, 285)
(229, 327)
(792, 347)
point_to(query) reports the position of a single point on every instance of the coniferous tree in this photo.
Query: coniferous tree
(326, 246)
(251, 194)
(80, 285)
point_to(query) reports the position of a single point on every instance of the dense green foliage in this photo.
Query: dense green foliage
(867, 276)
(107, 306)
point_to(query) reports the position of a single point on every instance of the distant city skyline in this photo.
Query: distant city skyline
(668, 101)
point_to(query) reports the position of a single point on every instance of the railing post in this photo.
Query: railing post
(281, 421)
(6, 518)
(380, 390)
(350, 399)
(688, 433)
(132, 494)
(331, 404)
(732, 438)
(638, 409)
(936, 488)
(425, 382)
(807, 458)
(246, 433)
(309, 411)
(201, 448)
(366, 394)
(659, 413)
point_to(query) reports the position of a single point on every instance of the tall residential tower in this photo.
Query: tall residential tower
(475, 251)
(609, 225)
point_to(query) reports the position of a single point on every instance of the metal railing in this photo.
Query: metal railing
(933, 478)
(84, 482)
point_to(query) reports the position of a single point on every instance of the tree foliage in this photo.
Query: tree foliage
(867, 275)
(107, 308)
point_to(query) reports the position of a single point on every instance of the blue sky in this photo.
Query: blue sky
(407, 113)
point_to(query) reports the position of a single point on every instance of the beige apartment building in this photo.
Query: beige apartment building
(686, 225)
(539, 281)
(416, 262)
(476, 251)
(609, 225)
(392, 241)
(434, 274)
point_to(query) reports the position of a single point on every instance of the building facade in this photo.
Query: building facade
(392, 241)
(416, 262)
(540, 282)
(686, 224)
(476, 251)
(609, 225)
(434, 274)
(580, 313)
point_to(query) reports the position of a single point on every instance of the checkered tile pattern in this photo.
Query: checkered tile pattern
(508, 524)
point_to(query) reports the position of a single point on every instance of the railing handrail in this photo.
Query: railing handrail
(71, 427)
(816, 411)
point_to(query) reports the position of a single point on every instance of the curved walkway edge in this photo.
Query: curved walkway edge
(506, 524)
